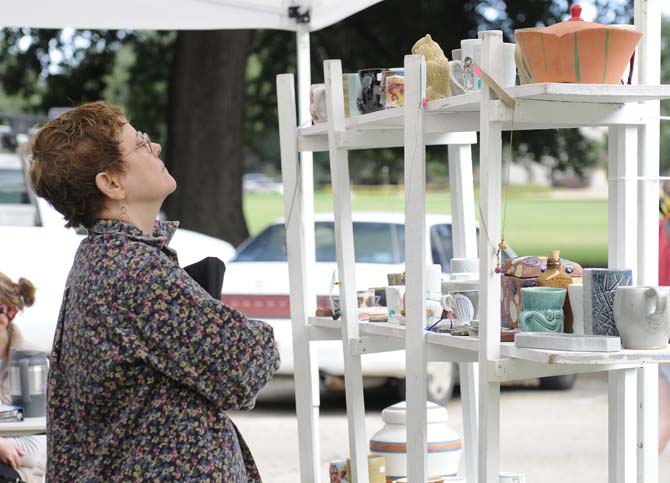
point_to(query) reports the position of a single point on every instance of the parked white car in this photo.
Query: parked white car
(257, 284)
(34, 244)
(261, 183)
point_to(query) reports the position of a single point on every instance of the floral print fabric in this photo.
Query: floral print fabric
(144, 365)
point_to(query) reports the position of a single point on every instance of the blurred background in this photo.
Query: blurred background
(209, 98)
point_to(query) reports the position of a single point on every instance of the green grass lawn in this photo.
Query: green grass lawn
(535, 222)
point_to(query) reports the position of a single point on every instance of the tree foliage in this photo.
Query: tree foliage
(138, 70)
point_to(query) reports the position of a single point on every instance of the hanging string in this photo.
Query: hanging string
(508, 101)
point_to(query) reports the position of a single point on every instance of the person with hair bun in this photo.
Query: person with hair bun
(26, 454)
(145, 363)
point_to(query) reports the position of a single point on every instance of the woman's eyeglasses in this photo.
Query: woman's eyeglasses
(144, 140)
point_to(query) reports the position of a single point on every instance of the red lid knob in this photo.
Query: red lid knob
(576, 12)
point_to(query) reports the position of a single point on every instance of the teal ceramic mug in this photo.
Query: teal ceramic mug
(542, 309)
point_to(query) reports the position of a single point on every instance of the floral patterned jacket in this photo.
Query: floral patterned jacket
(144, 365)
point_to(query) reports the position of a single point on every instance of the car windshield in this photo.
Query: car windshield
(13, 187)
(373, 243)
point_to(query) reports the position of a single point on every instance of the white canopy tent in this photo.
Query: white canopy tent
(300, 16)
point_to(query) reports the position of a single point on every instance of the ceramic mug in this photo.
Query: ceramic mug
(471, 55)
(354, 91)
(396, 77)
(509, 65)
(396, 278)
(600, 285)
(460, 305)
(395, 301)
(642, 317)
(542, 309)
(465, 265)
(456, 77)
(576, 297)
(365, 298)
(317, 103)
(345, 89)
(370, 97)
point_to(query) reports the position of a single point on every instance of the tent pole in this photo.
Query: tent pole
(309, 460)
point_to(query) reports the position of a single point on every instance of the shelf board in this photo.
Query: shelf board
(326, 322)
(593, 93)
(572, 93)
(545, 356)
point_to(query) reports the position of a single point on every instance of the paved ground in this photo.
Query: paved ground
(554, 437)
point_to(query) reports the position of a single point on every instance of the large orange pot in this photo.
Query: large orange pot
(577, 51)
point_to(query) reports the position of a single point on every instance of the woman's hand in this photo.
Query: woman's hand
(10, 453)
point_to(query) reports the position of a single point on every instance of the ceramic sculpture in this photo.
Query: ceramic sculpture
(438, 85)
(577, 51)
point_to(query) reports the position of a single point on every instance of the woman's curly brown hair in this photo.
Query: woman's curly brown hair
(67, 154)
(19, 295)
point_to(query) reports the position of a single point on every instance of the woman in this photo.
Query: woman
(26, 454)
(145, 363)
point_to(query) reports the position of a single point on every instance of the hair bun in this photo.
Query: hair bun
(26, 291)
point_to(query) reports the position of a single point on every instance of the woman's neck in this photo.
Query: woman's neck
(144, 219)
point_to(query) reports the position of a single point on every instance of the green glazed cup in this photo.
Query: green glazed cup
(542, 309)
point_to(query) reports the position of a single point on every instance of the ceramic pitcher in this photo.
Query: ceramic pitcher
(642, 317)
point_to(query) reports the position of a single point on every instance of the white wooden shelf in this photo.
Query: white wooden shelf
(529, 115)
(633, 213)
(507, 349)
(545, 356)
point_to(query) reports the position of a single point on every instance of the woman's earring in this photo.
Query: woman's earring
(124, 211)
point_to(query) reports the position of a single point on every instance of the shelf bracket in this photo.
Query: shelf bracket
(514, 369)
(374, 344)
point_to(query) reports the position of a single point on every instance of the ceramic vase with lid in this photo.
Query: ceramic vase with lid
(444, 444)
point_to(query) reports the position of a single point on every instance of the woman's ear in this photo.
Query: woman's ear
(109, 185)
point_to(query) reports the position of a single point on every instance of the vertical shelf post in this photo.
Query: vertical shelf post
(415, 265)
(490, 166)
(463, 232)
(464, 237)
(344, 243)
(648, 20)
(307, 405)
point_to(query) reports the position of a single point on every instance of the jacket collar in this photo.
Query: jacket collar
(163, 231)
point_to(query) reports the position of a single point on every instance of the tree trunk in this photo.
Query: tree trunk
(205, 133)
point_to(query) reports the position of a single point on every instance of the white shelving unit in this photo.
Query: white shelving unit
(630, 112)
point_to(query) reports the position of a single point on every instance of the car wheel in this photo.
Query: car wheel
(558, 383)
(440, 382)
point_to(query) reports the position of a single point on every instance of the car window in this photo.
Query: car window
(373, 243)
(441, 246)
(13, 187)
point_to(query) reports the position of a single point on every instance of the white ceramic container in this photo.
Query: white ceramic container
(444, 444)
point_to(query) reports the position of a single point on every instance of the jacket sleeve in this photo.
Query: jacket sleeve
(197, 340)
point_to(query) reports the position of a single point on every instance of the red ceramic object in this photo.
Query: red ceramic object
(577, 51)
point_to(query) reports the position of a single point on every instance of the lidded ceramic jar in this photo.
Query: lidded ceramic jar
(444, 444)
(577, 51)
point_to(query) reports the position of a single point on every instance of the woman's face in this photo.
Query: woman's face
(146, 180)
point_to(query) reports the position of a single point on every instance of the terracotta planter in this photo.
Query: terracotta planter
(577, 51)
